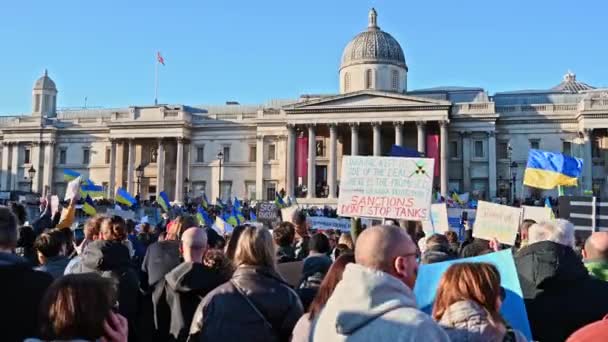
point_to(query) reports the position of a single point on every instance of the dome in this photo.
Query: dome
(571, 85)
(45, 82)
(373, 46)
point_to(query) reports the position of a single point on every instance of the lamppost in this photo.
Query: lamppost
(220, 157)
(139, 172)
(511, 181)
(31, 173)
(513, 167)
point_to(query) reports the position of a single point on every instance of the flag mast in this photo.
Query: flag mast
(156, 82)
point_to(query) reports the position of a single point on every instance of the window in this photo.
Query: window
(453, 149)
(63, 156)
(86, 156)
(226, 154)
(595, 148)
(368, 78)
(395, 80)
(200, 154)
(153, 152)
(199, 188)
(250, 190)
(108, 155)
(321, 148)
(46, 103)
(225, 189)
(271, 190)
(503, 150)
(535, 144)
(346, 82)
(478, 149)
(253, 150)
(272, 152)
(567, 148)
(27, 155)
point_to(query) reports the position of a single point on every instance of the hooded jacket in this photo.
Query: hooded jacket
(225, 315)
(184, 288)
(468, 321)
(161, 257)
(21, 290)
(370, 305)
(559, 293)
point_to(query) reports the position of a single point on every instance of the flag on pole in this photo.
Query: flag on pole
(70, 175)
(163, 201)
(205, 201)
(122, 196)
(548, 205)
(89, 207)
(91, 190)
(203, 217)
(546, 170)
(278, 200)
(160, 58)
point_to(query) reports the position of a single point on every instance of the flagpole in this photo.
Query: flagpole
(156, 82)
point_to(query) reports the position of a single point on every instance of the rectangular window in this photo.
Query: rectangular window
(271, 191)
(535, 144)
(320, 148)
(250, 190)
(567, 148)
(595, 148)
(253, 153)
(27, 155)
(153, 154)
(108, 155)
(227, 155)
(272, 152)
(63, 156)
(503, 150)
(199, 188)
(86, 156)
(200, 154)
(453, 149)
(478, 149)
(225, 190)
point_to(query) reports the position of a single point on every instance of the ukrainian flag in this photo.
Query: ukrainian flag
(546, 170)
(91, 190)
(70, 175)
(203, 217)
(163, 201)
(88, 207)
(252, 216)
(205, 201)
(122, 196)
(278, 200)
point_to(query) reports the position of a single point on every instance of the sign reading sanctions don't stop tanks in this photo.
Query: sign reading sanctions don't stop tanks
(386, 187)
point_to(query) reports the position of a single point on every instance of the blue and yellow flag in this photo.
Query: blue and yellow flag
(278, 200)
(240, 218)
(546, 170)
(219, 203)
(89, 189)
(70, 175)
(89, 207)
(203, 217)
(252, 216)
(237, 204)
(205, 201)
(122, 196)
(163, 201)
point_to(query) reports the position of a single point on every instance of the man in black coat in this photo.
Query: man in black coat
(21, 287)
(559, 293)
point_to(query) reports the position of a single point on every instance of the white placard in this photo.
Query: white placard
(496, 221)
(538, 214)
(324, 223)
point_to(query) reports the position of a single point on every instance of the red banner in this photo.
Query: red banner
(302, 159)
(432, 150)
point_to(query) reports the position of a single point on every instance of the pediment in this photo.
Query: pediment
(367, 99)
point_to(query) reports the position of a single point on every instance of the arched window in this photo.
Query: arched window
(346, 82)
(368, 78)
(395, 80)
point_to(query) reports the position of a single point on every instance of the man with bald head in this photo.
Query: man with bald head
(374, 300)
(595, 255)
(184, 287)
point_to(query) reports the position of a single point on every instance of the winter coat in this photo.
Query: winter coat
(436, 253)
(268, 313)
(598, 269)
(370, 305)
(179, 294)
(21, 290)
(161, 257)
(469, 321)
(286, 254)
(559, 293)
(55, 266)
(302, 247)
(313, 271)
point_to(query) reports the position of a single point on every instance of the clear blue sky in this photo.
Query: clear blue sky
(251, 51)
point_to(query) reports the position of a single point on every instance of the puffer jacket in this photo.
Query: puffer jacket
(468, 321)
(560, 295)
(225, 315)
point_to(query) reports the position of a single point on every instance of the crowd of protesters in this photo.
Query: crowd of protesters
(183, 281)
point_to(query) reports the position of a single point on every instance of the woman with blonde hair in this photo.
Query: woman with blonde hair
(468, 304)
(256, 304)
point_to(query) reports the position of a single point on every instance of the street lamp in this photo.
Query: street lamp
(220, 157)
(513, 168)
(139, 172)
(31, 173)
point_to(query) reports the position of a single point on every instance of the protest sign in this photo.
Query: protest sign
(386, 187)
(54, 204)
(513, 308)
(538, 214)
(496, 221)
(323, 223)
(267, 211)
(291, 272)
(438, 220)
(73, 189)
(287, 213)
(125, 214)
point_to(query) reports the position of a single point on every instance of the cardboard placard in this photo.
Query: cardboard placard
(497, 221)
(73, 189)
(291, 272)
(538, 214)
(324, 223)
(438, 221)
(386, 187)
(267, 211)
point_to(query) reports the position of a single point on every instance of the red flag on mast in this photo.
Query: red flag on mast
(160, 58)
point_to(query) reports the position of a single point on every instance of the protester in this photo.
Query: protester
(302, 234)
(146, 236)
(301, 332)
(476, 247)
(21, 287)
(78, 307)
(454, 245)
(559, 293)
(185, 286)
(593, 332)
(437, 250)
(91, 233)
(522, 238)
(467, 305)
(346, 239)
(256, 304)
(233, 241)
(595, 255)
(50, 248)
(341, 249)
(283, 237)
(374, 300)
(315, 267)
(25, 245)
(44, 221)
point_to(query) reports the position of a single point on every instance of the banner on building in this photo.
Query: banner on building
(496, 221)
(432, 150)
(386, 187)
(302, 158)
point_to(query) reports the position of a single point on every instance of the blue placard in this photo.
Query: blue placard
(513, 308)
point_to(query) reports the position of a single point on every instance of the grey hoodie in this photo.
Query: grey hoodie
(370, 305)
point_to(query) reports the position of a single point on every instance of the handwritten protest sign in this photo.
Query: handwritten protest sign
(323, 223)
(386, 187)
(287, 213)
(497, 221)
(513, 308)
(438, 220)
(538, 214)
(267, 211)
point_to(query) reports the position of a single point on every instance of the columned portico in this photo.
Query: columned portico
(130, 165)
(35, 156)
(312, 156)
(112, 180)
(5, 177)
(333, 162)
(377, 139)
(49, 165)
(354, 139)
(15, 168)
(398, 133)
(291, 160)
(259, 168)
(443, 132)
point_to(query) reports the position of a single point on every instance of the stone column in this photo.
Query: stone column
(398, 133)
(588, 161)
(112, 180)
(6, 160)
(130, 166)
(179, 171)
(492, 164)
(443, 126)
(421, 130)
(466, 161)
(259, 168)
(354, 139)
(312, 158)
(291, 160)
(160, 168)
(377, 139)
(35, 159)
(15, 168)
(49, 166)
(333, 160)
